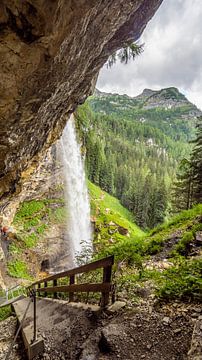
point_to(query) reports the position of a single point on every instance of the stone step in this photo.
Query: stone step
(33, 348)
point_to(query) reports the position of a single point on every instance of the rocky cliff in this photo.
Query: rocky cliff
(50, 55)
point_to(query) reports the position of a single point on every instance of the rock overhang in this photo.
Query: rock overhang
(50, 56)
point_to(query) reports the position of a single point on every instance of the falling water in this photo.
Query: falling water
(76, 193)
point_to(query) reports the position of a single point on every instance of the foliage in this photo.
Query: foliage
(179, 219)
(41, 229)
(5, 312)
(28, 209)
(30, 240)
(112, 222)
(183, 281)
(132, 152)
(59, 215)
(18, 269)
(188, 187)
(129, 51)
(183, 246)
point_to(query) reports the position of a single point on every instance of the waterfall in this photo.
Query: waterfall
(76, 194)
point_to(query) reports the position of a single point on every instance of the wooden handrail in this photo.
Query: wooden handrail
(105, 287)
(101, 287)
(103, 263)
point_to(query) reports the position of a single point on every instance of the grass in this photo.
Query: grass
(155, 239)
(30, 240)
(116, 233)
(102, 201)
(178, 220)
(28, 209)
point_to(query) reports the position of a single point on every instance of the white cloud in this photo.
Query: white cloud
(172, 55)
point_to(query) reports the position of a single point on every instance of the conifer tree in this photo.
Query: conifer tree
(188, 186)
(196, 164)
(183, 187)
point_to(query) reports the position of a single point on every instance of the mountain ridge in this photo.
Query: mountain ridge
(171, 95)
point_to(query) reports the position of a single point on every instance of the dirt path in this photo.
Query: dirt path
(76, 333)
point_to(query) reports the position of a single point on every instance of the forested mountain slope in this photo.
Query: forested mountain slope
(166, 109)
(134, 145)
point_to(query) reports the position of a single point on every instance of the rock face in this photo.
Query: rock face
(50, 55)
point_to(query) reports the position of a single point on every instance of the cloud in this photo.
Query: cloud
(172, 54)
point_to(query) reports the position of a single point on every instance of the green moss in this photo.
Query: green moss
(18, 269)
(41, 229)
(28, 209)
(30, 240)
(15, 249)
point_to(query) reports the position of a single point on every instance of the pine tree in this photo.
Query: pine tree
(129, 51)
(183, 187)
(188, 186)
(196, 163)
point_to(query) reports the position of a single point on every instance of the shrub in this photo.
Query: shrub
(5, 312)
(183, 246)
(183, 281)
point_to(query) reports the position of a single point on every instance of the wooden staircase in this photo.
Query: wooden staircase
(63, 283)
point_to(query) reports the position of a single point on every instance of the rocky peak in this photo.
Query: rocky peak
(146, 93)
(167, 98)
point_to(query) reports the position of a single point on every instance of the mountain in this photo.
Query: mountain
(167, 109)
(134, 145)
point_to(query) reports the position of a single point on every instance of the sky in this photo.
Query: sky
(172, 55)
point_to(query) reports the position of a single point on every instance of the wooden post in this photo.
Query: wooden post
(71, 282)
(45, 285)
(34, 306)
(106, 279)
(55, 284)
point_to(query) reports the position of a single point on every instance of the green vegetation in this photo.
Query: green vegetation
(133, 146)
(112, 222)
(28, 209)
(178, 220)
(129, 51)
(183, 277)
(5, 312)
(32, 221)
(188, 187)
(59, 215)
(18, 269)
(183, 281)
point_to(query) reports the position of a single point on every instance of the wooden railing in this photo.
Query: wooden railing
(104, 288)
